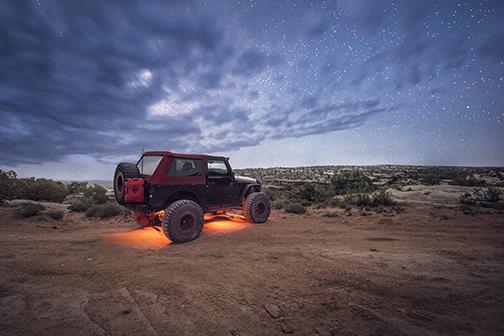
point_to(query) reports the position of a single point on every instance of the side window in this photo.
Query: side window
(185, 167)
(217, 168)
(148, 164)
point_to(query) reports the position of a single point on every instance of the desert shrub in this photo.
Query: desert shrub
(7, 185)
(278, 204)
(76, 187)
(305, 203)
(40, 190)
(56, 214)
(378, 198)
(323, 194)
(334, 201)
(96, 193)
(468, 199)
(464, 180)
(296, 208)
(80, 205)
(492, 194)
(382, 197)
(346, 182)
(430, 179)
(29, 210)
(103, 210)
(272, 194)
(362, 200)
(307, 192)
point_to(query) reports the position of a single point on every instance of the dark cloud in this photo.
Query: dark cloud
(77, 78)
(106, 78)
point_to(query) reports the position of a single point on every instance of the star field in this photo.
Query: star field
(265, 82)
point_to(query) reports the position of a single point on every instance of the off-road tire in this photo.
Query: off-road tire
(256, 207)
(123, 172)
(183, 221)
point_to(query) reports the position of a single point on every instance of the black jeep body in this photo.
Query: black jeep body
(162, 184)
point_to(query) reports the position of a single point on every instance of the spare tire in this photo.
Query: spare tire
(123, 172)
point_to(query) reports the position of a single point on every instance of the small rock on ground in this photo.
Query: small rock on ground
(286, 329)
(272, 310)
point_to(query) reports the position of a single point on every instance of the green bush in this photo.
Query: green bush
(103, 210)
(80, 205)
(29, 210)
(354, 181)
(7, 185)
(41, 190)
(96, 193)
(31, 188)
(56, 214)
(296, 208)
(308, 192)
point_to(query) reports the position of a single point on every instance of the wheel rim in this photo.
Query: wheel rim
(119, 183)
(187, 223)
(260, 209)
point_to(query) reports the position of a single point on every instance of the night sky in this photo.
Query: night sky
(86, 84)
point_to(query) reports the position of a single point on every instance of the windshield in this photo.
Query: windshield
(148, 164)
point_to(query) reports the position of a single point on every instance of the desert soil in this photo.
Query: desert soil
(430, 270)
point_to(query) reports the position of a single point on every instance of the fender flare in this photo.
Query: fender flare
(247, 188)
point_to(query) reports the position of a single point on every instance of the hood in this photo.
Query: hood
(245, 180)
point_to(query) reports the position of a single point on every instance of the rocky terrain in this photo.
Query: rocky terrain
(392, 175)
(429, 265)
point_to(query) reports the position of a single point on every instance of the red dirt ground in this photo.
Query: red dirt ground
(425, 271)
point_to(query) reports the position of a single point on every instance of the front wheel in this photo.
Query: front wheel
(256, 207)
(183, 221)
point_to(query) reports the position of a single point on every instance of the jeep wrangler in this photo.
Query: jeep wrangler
(174, 191)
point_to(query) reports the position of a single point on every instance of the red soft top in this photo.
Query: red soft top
(188, 156)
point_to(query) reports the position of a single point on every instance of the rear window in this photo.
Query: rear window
(185, 167)
(148, 164)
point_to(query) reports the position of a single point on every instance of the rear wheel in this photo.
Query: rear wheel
(123, 172)
(256, 207)
(183, 221)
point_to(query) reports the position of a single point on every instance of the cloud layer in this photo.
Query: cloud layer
(107, 78)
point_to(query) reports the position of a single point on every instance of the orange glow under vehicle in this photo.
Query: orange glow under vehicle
(174, 191)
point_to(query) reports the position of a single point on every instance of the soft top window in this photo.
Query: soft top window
(217, 167)
(185, 167)
(148, 164)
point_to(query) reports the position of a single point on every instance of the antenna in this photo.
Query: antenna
(142, 159)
